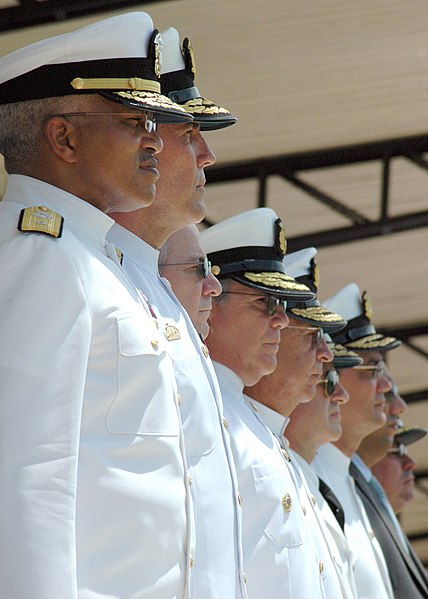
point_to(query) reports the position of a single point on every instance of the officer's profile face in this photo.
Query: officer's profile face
(395, 473)
(184, 266)
(301, 356)
(181, 187)
(243, 336)
(114, 157)
(365, 411)
(319, 421)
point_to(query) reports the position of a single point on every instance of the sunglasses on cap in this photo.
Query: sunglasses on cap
(203, 267)
(272, 302)
(330, 382)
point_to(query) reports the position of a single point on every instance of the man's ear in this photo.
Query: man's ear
(60, 135)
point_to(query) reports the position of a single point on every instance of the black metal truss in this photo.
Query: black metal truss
(33, 12)
(290, 167)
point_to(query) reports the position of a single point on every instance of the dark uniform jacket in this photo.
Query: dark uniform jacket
(408, 577)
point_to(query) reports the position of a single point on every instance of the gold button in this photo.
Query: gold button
(321, 566)
(314, 501)
(191, 562)
(244, 576)
(178, 398)
(189, 478)
(239, 498)
(286, 454)
(155, 343)
(304, 510)
(286, 502)
(205, 350)
(225, 423)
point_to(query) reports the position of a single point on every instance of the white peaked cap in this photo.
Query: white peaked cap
(298, 264)
(172, 56)
(124, 36)
(346, 302)
(251, 228)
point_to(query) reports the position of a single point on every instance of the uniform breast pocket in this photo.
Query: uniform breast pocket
(145, 402)
(277, 504)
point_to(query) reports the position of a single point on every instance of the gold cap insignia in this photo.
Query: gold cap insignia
(280, 240)
(286, 502)
(215, 270)
(191, 58)
(171, 333)
(315, 274)
(157, 42)
(39, 219)
(367, 306)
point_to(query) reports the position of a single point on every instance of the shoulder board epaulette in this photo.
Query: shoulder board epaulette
(39, 219)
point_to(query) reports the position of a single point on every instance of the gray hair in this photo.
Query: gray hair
(21, 127)
(163, 255)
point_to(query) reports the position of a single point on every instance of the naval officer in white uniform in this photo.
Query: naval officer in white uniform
(95, 500)
(247, 253)
(216, 561)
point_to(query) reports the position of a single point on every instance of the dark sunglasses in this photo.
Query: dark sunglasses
(203, 268)
(272, 302)
(330, 382)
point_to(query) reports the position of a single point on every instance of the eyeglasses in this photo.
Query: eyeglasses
(330, 382)
(373, 371)
(145, 120)
(272, 302)
(203, 267)
(316, 333)
(399, 450)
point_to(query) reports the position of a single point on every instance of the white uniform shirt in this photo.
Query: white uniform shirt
(335, 584)
(371, 574)
(278, 560)
(337, 542)
(217, 559)
(93, 500)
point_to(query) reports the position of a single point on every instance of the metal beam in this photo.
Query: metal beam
(31, 12)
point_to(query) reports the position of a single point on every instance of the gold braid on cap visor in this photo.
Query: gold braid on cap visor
(317, 313)
(275, 279)
(371, 341)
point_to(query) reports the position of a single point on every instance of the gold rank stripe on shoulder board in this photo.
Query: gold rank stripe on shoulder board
(39, 219)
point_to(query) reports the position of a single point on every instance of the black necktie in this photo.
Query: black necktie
(333, 502)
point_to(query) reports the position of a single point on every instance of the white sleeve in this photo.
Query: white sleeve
(45, 336)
